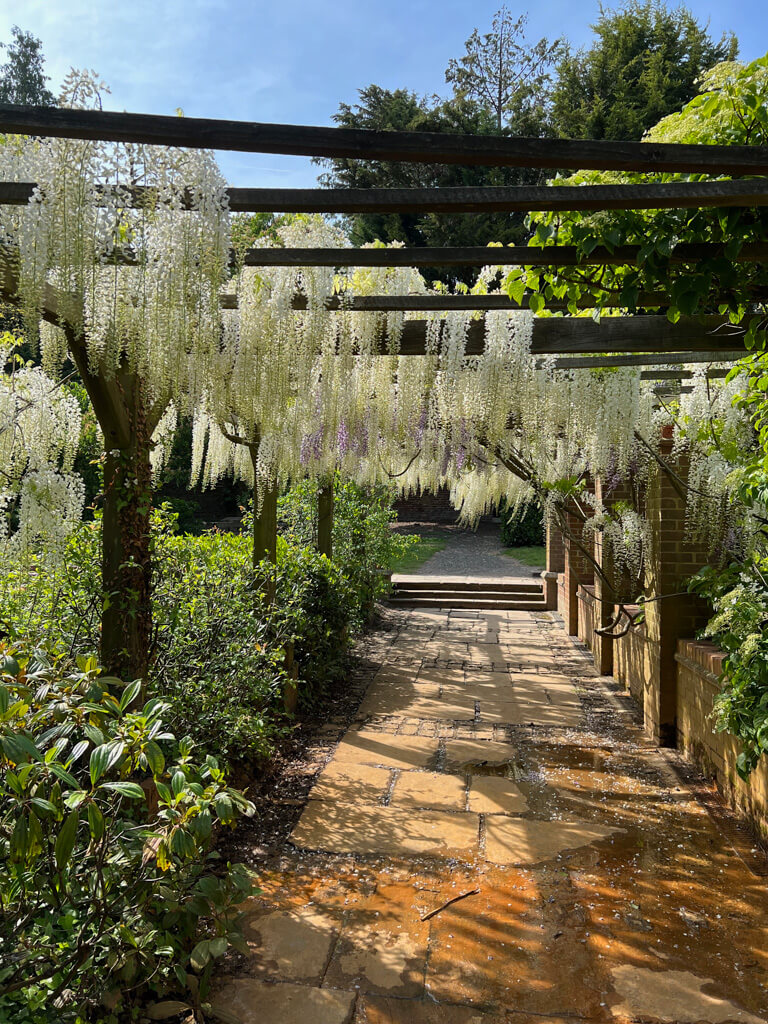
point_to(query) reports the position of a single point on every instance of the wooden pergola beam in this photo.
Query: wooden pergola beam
(712, 373)
(646, 359)
(443, 303)
(352, 143)
(482, 256)
(664, 195)
(562, 335)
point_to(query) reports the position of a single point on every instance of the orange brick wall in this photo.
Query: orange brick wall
(587, 615)
(698, 670)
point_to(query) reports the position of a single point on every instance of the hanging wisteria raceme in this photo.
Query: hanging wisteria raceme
(308, 391)
(39, 437)
(158, 316)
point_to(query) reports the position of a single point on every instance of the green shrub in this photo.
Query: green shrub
(522, 527)
(107, 894)
(364, 546)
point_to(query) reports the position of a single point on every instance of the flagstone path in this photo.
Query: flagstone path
(493, 841)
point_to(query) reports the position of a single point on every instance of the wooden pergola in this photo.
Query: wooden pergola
(736, 176)
(638, 340)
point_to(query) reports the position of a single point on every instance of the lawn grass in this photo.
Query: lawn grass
(429, 544)
(533, 556)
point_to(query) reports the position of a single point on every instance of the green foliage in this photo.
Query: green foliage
(364, 546)
(22, 77)
(739, 596)
(645, 63)
(107, 894)
(401, 110)
(522, 526)
(502, 73)
(217, 659)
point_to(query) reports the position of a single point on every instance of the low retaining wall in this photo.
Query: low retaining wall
(699, 667)
(633, 655)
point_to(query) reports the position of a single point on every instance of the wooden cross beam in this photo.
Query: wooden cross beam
(750, 192)
(482, 256)
(561, 335)
(646, 359)
(353, 143)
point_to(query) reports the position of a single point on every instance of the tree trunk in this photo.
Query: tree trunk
(325, 520)
(126, 622)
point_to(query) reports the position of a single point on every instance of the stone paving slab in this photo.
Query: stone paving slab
(468, 753)
(383, 946)
(256, 1002)
(340, 778)
(509, 841)
(430, 789)
(493, 794)
(293, 945)
(484, 871)
(386, 831)
(379, 748)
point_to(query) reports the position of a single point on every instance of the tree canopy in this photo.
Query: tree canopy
(502, 73)
(22, 77)
(644, 64)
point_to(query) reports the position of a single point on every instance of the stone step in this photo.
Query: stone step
(407, 594)
(479, 601)
(448, 584)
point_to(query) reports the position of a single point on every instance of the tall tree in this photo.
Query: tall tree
(643, 65)
(501, 72)
(22, 77)
(402, 110)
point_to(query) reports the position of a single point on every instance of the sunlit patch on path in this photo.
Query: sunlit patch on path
(493, 841)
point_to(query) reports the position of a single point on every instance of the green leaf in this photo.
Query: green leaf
(154, 756)
(95, 822)
(65, 840)
(218, 946)
(130, 789)
(99, 762)
(44, 806)
(200, 955)
(178, 782)
(131, 693)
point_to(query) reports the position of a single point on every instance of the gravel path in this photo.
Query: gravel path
(474, 553)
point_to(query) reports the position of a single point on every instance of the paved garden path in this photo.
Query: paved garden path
(475, 553)
(493, 842)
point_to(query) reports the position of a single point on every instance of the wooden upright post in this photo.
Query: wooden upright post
(265, 524)
(325, 519)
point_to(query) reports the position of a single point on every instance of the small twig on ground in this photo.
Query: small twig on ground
(461, 896)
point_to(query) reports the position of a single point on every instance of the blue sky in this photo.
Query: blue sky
(293, 61)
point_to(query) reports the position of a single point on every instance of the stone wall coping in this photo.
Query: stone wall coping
(704, 654)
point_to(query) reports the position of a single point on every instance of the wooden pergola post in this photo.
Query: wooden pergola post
(325, 519)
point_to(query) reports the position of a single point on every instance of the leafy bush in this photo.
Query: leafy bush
(522, 527)
(107, 893)
(364, 545)
(217, 658)
(739, 596)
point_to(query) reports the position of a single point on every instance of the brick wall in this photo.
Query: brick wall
(588, 612)
(632, 658)
(427, 508)
(699, 667)
(673, 558)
